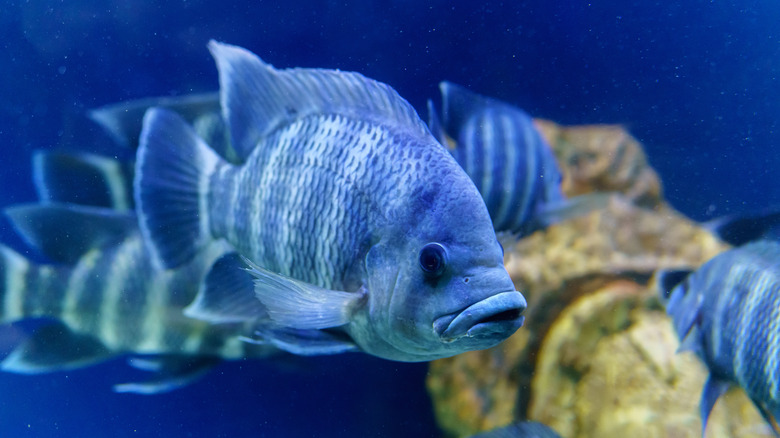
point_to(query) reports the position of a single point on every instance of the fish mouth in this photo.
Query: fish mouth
(499, 314)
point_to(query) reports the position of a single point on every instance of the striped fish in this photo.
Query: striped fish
(728, 313)
(350, 216)
(509, 161)
(102, 289)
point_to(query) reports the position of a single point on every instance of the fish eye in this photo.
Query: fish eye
(433, 259)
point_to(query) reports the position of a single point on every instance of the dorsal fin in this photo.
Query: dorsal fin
(257, 99)
(668, 279)
(83, 179)
(739, 229)
(458, 103)
(64, 232)
(122, 121)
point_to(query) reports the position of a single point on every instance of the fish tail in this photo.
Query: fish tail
(173, 170)
(26, 289)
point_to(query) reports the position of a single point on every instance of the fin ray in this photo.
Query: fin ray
(256, 98)
(296, 304)
(171, 187)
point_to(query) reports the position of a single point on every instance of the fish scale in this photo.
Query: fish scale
(306, 246)
(732, 304)
(509, 161)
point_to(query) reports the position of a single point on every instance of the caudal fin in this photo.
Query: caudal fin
(26, 289)
(171, 185)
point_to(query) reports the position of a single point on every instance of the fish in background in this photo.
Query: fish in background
(509, 161)
(123, 121)
(728, 313)
(101, 295)
(348, 214)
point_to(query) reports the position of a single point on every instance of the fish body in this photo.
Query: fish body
(728, 313)
(501, 150)
(101, 291)
(348, 214)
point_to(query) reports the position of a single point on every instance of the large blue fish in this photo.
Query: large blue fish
(728, 313)
(509, 161)
(101, 291)
(351, 216)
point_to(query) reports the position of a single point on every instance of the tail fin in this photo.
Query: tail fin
(171, 187)
(26, 289)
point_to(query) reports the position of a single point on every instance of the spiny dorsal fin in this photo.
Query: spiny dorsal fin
(257, 98)
(83, 179)
(64, 232)
(458, 104)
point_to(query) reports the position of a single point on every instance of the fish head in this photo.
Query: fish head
(438, 287)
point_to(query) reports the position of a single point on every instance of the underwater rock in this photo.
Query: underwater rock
(602, 158)
(597, 354)
(570, 261)
(609, 368)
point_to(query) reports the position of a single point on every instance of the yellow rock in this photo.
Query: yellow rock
(596, 357)
(609, 368)
(602, 158)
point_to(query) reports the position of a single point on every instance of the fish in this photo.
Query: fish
(122, 121)
(509, 161)
(348, 215)
(727, 313)
(520, 429)
(98, 293)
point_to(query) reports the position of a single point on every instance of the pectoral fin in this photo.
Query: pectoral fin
(296, 304)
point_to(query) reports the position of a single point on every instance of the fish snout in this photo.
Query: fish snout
(499, 315)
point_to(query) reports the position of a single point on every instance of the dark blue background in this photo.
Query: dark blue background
(694, 81)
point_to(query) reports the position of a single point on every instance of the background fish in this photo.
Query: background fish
(509, 161)
(728, 313)
(349, 214)
(103, 294)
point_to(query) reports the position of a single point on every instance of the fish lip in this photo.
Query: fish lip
(474, 320)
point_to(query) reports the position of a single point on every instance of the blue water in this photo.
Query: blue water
(695, 82)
